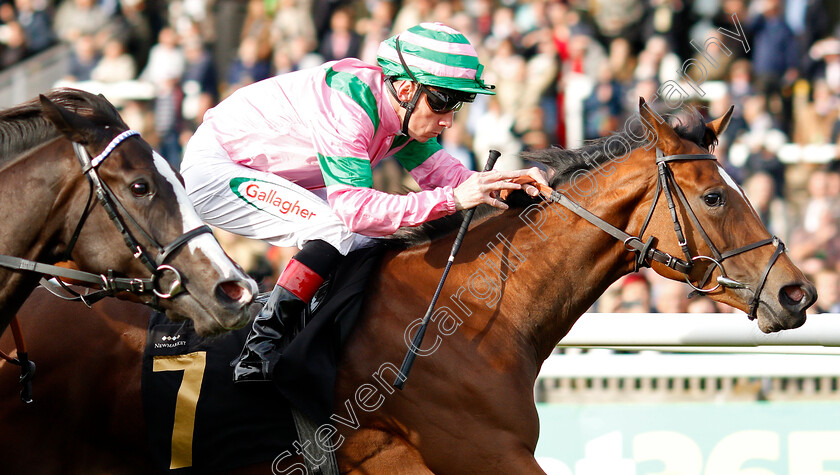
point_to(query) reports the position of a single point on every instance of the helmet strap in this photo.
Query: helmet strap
(408, 106)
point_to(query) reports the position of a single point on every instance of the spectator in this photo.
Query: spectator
(166, 59)
(504, 28)
(494, 131)
(168, 119)
(136, 30)
(723, 19)
(822, 203)
(808, 21)
(702, 304)
(622, 62)
(619, 19)
(775, 58)
(377, 28)
(757, 121)
(75, 18)
(818, 235)
(115, 64)
(764, 159)
(508, 70)
(83, 59)
(413, 12)
(635, 294)
(199, 83)
(36, 23)
(826, 57)
(258, 26)
(670, 296)
(584, 56)
(760, 188)
(293, 21)
(13, 40)
(740, 90)
(341, 41)
(247, 68)
(815, 119)
(602, 109)
(657, 61)
(827, 282)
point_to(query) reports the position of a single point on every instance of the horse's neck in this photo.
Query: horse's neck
(566, 263)
(31, 193)
(37, 191)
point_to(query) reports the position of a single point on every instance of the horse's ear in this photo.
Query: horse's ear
(719, 125)
(663, 134)
(73, 126)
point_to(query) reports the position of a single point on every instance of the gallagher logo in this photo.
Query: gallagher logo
(269, 197)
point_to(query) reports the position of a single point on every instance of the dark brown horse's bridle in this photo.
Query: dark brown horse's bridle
(646, 251)
(110, 284)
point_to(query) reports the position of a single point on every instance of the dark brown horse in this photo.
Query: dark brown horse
(145, 241)
(521, 280)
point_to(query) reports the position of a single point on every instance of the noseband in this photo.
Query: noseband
(118, 215)
(646, 251)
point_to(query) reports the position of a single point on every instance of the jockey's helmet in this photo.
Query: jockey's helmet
(440, 59)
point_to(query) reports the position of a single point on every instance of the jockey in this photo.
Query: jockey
(289, 160)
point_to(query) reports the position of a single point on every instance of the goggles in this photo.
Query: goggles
(442, 101)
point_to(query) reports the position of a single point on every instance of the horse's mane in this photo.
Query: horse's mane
(562, 165)
(23, 127)
(565, 163)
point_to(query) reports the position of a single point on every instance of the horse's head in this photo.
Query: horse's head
(712, 227)
(146, 226)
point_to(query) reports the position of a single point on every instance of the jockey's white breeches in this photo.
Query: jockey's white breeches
(257, 204)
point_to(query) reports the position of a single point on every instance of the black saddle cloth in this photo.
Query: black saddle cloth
(238, 425)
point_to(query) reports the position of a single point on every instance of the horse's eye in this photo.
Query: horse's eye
(139, 188)
(713, 199)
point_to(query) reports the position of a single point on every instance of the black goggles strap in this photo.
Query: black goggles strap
(408, 106)
(412, 104)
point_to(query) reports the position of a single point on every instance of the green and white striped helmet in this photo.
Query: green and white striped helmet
(437, 55)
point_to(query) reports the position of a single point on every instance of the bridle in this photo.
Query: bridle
(646, 252)
(110, 284)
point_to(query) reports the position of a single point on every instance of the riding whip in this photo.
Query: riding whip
(408, 361)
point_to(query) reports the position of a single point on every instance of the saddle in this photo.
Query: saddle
(199, 421)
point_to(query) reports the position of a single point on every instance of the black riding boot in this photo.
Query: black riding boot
(275, 319)
(295, 288)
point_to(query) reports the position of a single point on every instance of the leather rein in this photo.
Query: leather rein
(108, 283)
(646, 252)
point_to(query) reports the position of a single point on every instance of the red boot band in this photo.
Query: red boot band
(300, 280)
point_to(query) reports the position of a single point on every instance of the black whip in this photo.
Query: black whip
(408, 361)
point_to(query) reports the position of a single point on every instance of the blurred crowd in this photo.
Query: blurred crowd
(565, 70)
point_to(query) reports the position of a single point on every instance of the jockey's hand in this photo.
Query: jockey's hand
(483, 187)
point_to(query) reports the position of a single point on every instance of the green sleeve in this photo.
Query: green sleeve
(415, 153)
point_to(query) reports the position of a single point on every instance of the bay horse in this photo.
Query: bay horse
(522, 278)
(145, 242)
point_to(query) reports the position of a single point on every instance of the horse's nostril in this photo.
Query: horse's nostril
(794, 292)
(234, 291)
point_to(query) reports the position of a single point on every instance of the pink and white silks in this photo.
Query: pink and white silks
(312, 138)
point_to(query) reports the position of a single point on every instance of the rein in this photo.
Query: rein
(27, 366)
(110, 284)
(646, 252)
